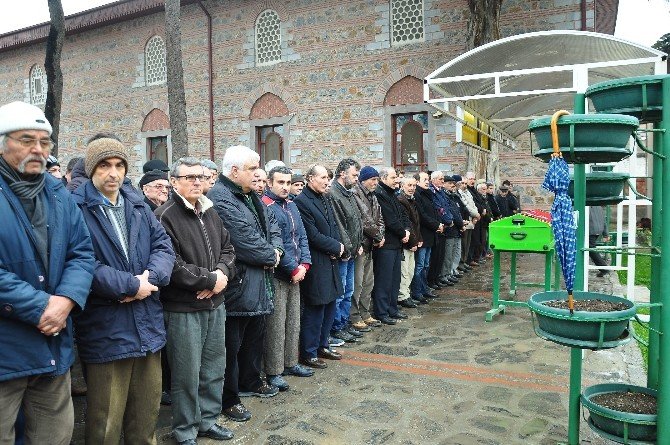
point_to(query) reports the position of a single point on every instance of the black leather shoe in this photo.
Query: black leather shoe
(217, 432)
(387, 320)
(399, 316)
(238, 413)
(187, 442)
(328, 354)
(446, 283)
(313, 363)
(408, 303)
(430, 292)
(355, 332)
(458, 275)
(420, 300)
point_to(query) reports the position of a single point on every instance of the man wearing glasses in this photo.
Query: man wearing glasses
(121, 331)
(155, 187)
(46, 269)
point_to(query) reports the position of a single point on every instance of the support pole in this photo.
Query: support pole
(512, 275)
(663, 419)
(656, 236)
(576, 353)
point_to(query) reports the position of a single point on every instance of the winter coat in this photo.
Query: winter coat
(25, 285)
(348, 219)
(412, 214)
(466, 199)
(430, 219)
(441, 204)
(452, 202)
(109, 330)
(294, 237)
(202, 245)
(78, 176)
(255, 236)
(322, 284)
(506, 204)
(395, 220)
(495, 210)
(371, 216)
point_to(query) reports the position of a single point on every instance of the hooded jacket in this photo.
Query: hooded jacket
(109, 330)
(255, 235)
(25, 285)
(201, 244)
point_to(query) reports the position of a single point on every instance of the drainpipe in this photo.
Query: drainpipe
(211, 80)
(583, 14)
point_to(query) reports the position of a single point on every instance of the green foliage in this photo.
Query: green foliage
(663, 44)
(642, 271)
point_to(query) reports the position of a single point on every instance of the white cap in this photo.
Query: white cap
(17, 116)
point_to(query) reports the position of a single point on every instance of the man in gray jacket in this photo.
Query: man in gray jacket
(258, 249)
(348, 219)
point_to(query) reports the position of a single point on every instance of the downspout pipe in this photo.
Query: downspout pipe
(583, 13)
(211, 79)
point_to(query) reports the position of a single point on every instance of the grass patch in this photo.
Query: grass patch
(642, 278)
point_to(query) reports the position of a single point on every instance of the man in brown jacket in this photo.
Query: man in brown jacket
(193, 304)
(373, 235)
(406, 198)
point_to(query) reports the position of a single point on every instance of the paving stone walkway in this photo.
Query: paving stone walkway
(443, 376)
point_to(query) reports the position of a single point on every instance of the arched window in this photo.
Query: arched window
(268, 38)
(406, 21)
(155, 72)
(38, 85)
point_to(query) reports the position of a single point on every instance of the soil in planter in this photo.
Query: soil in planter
(627, 402)
(594, 305)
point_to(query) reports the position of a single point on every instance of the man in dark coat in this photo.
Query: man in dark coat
(438, 253)
(193, 304)
(47, 266)
(506, 201)
(258, 249)
(348, 219)
(406, 198)
(387, 258)
(121, 331)
(431, 227)
(322, 284)
(477, 241)
(283, 332)
(156, 188)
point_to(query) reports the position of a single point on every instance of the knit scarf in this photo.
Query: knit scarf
(23, 188)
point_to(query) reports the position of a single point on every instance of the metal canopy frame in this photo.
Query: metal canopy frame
(514, 80)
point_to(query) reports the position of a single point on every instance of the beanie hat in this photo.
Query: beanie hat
(457, 178)
(155, 164)
(101, 149)
(22, 116)
(153, 175)
(52, 161)
(297, 178)
(367, 172)
(449, 179)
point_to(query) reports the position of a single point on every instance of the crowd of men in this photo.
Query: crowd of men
(210, 284)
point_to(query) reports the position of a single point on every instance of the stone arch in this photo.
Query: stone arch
(280, 92)
(267, 106)
(156, 120)
(261, 6)
(408, 90)
(397, 75)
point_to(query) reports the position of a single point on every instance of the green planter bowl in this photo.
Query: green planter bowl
(602, 188)
(586, 138)
(619, 426)
(586, 330)
(634, 96)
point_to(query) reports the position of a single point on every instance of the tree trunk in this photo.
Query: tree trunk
(52, 68)
(484, 22)
(175, 79)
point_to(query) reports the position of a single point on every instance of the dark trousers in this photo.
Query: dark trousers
(597, 259)
(476, 243)
(244, 352)
(315, 326)
(436, 260)
(386, 266)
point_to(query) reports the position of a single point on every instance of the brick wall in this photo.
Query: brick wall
(337, 68)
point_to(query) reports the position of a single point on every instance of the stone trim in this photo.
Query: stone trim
(395, 76)
(432, 29)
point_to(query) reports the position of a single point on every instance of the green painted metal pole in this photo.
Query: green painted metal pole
(512, 270)
(575, 353)
(547, 271)
(656, 236)
(496, 279)
(663, 419)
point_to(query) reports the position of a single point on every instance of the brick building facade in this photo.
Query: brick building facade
(305, 80)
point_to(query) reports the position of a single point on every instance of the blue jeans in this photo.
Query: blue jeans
(343, 302)
(419, 284)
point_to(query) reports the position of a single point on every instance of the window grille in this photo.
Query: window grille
(154, 61)
(268, 38)
(38, 85)
(406, 21)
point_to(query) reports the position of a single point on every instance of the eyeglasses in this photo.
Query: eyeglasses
(45, 144)
(192, 178)
(159, 187)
